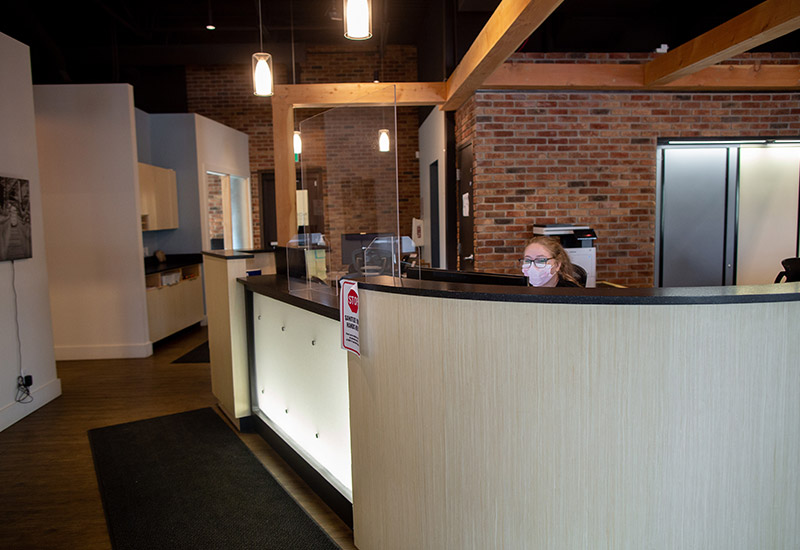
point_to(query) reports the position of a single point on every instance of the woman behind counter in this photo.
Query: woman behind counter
(546, 264)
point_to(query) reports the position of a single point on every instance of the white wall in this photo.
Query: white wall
(172, 145)
(192, 144)
(90, 189)
(18, 159)
(432, 147)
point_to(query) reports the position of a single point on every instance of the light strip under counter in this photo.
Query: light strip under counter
(301, 386)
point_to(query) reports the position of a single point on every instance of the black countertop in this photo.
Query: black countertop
(174, 261)
(785, 292)
(237, 254)
(277, 287)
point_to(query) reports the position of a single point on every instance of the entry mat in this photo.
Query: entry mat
(187, 481)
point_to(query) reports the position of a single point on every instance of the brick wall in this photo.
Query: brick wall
(216, 224)
(582, 157)
(224, 94)
(357, 62)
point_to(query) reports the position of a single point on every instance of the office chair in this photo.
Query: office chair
(580, 274)
(791, 270)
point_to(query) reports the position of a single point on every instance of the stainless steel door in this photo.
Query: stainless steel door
(694, 217)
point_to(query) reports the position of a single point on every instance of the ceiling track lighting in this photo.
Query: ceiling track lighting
(262, 65)
(358, 19)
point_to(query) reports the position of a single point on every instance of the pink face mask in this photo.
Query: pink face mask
(539, 276)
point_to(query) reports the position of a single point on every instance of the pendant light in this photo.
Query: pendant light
(262, 65)
(358, 19)
(383, 140)
(210, 26)
(297, 142)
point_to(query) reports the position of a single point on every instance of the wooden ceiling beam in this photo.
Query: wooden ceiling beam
(765, 22)
(571, 76)
(365, 93)
(511, 23)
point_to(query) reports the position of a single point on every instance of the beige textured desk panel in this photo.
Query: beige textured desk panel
(481, 425)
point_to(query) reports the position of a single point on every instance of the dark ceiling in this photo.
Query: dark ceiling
(136, 40)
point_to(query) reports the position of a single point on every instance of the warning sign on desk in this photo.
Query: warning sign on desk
(348, 316)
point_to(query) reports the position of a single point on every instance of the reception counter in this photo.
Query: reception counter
(507, 417)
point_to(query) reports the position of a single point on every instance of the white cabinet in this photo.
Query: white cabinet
(174, 300)
(158, 193)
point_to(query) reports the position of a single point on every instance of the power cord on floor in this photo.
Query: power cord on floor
(23, 390)
(24, 382)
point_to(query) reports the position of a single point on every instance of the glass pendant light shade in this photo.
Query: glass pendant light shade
(383, 141)
(358, 19)
(297, 142)
(210, 26)
(262, 74)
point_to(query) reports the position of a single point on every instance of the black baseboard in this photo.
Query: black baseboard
(321, 486)
(247, 424)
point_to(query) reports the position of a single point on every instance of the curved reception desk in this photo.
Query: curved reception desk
(503, 417)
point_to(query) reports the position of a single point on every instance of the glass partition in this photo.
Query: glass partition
(347, 196)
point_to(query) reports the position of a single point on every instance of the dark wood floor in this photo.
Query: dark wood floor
(48, 489)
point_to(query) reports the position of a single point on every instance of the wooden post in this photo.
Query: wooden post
(285, 179)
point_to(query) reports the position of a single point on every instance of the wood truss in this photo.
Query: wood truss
(691, 66)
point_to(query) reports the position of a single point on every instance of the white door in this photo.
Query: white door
(769, 183)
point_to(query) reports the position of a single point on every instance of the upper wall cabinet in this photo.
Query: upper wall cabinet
(158, 193)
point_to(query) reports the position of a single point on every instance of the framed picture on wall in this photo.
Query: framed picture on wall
(15, 219)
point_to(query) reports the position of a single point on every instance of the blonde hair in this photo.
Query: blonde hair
(557, 252)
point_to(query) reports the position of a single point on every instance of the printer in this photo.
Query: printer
(578, 242)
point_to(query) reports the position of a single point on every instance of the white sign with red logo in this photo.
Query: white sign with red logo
(348, 316)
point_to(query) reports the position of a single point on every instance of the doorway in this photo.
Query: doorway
(466, 223)
(229, 212)
(727, 212)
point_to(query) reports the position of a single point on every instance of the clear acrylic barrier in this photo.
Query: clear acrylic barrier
(307, 265)
(389, 255)
(348, 193)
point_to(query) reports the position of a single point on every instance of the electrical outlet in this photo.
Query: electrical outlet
(27, 381)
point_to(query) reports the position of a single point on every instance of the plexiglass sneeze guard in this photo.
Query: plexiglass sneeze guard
(347, 220)
(348, 213)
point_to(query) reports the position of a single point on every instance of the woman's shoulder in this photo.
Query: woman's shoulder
(567, 283)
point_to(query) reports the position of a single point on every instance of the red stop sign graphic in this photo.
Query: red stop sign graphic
(352, 300)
